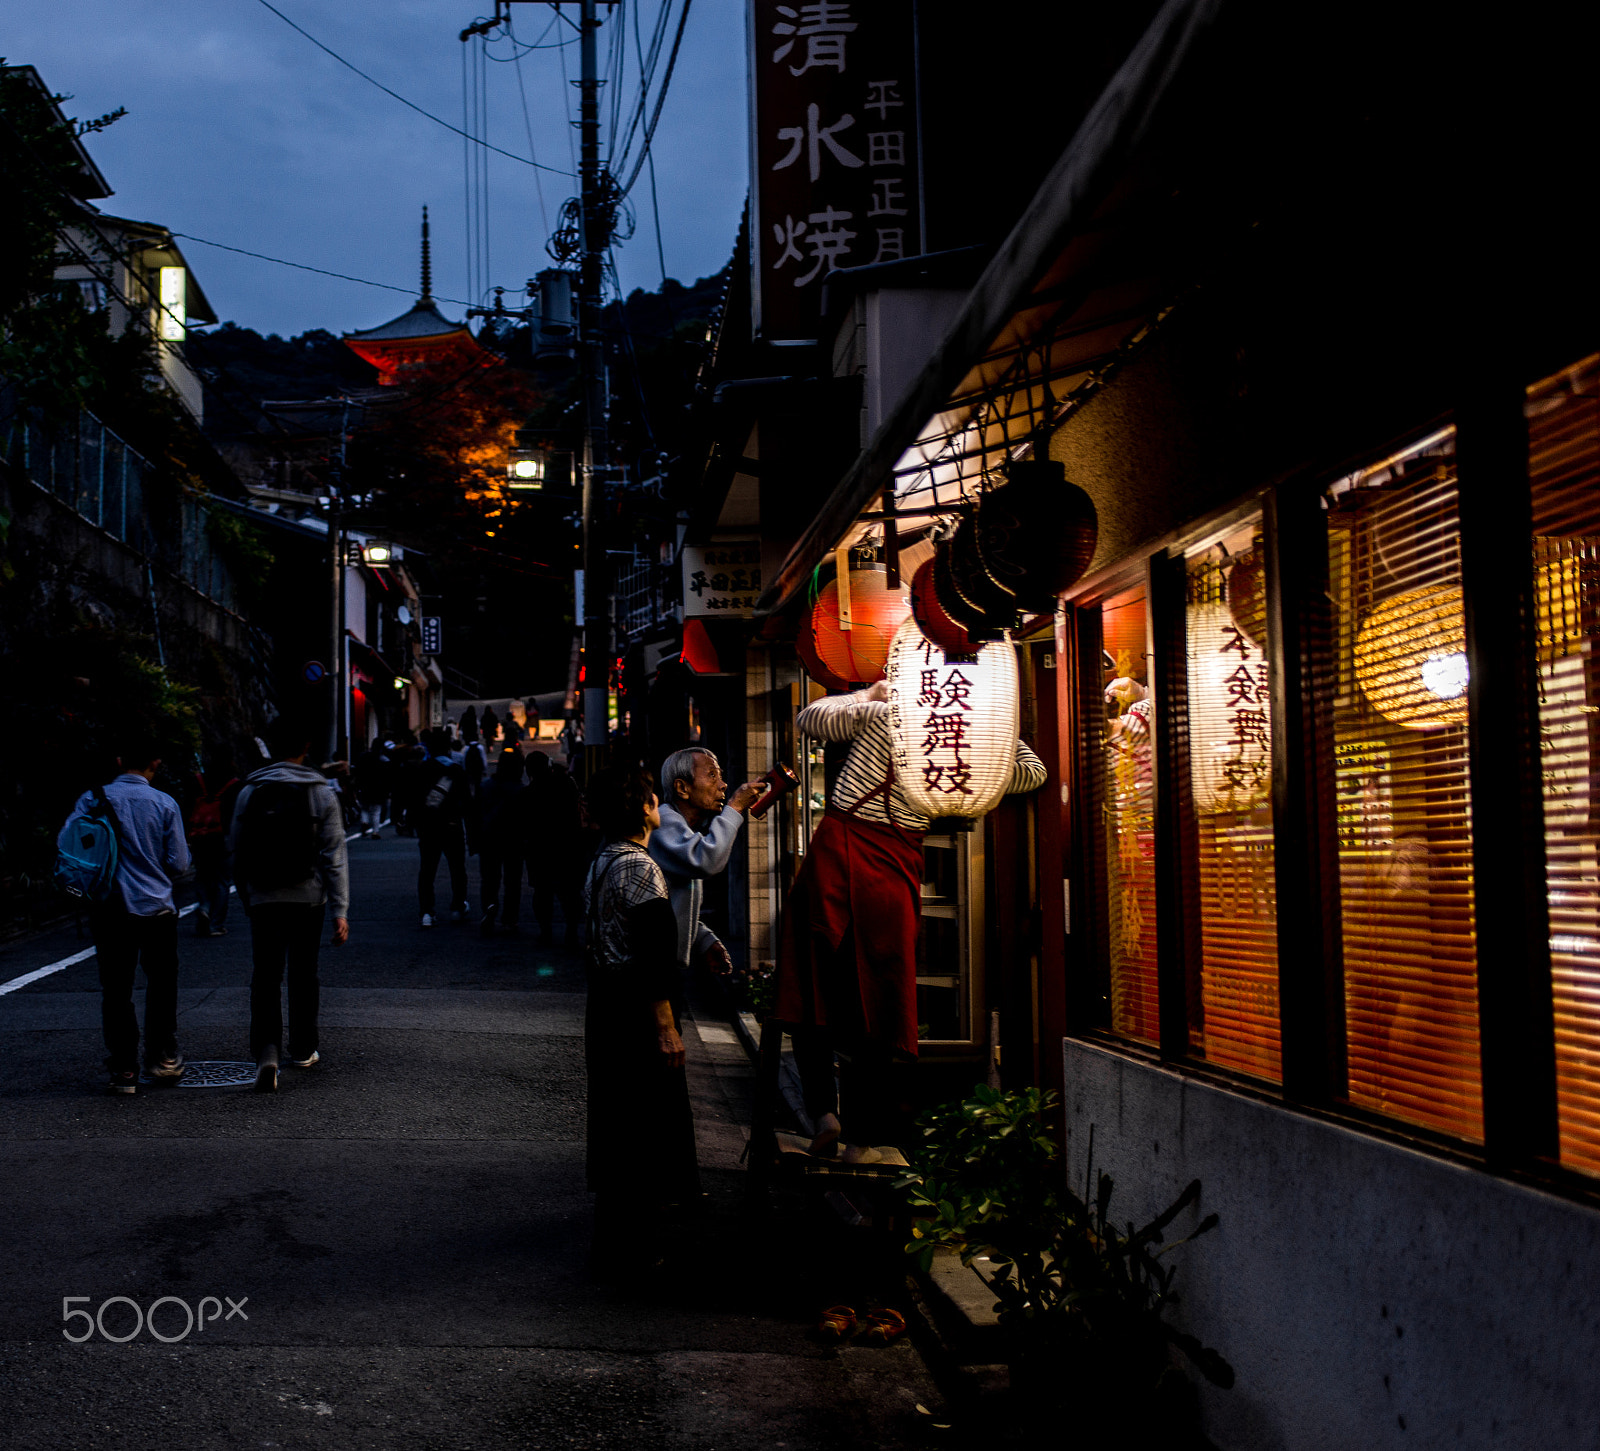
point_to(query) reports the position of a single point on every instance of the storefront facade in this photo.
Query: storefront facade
(1310, 908)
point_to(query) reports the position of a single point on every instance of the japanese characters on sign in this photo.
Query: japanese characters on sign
(1230, 750)
(835, 151)
(722, 580)
(432, 635)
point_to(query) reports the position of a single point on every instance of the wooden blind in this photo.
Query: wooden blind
(1128, 805)
(1404, 822)
(1230, 764)
(1564, 469)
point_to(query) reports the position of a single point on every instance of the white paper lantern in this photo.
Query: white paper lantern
(1230, 721)
(954, 724)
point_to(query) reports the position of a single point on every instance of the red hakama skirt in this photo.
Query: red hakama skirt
(847, 950)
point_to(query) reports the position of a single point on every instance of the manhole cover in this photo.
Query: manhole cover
(217, 1075)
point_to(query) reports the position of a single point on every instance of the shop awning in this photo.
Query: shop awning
(1071, 294)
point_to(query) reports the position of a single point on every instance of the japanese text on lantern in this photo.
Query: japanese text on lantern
(945, 694)
(1245, 704)
(837, 166)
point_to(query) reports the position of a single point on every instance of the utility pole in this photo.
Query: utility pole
(338, 660)
(596, 214)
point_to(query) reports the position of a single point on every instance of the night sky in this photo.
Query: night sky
(241, 131)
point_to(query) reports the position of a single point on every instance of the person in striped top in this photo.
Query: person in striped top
(847, 955)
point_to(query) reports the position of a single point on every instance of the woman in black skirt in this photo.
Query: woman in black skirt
(641, 1155)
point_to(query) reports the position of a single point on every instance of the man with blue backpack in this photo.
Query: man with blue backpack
(121, 850)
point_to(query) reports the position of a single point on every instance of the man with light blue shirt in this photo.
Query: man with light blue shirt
(137, 924)
(695, 841)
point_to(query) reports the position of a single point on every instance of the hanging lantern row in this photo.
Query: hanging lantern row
(953, 724)
(1027, 540)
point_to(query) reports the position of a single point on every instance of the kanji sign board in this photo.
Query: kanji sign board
(432, 635)
(834, 153)
(722, 581)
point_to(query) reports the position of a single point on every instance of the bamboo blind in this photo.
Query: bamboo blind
(1128, 796)
(1237, 898)
(1404, 823)
(1564, 470)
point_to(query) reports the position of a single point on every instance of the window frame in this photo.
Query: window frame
(1514, 982)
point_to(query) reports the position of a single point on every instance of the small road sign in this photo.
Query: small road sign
(313, 670)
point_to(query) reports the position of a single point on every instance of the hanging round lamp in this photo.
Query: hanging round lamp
(855, 650)
(806, 647)
(1036, 533)
(1411, 658)
(994, 606)
(953, 725)
(1230, 722)
(932, 619)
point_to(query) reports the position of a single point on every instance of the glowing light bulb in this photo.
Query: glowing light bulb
(1445, 673)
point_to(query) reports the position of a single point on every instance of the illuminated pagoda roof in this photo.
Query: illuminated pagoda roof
(421, 340)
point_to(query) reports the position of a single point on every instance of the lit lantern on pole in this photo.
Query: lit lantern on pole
(953, 724)
(850, 637)
(1411, 658)
(1230, 724)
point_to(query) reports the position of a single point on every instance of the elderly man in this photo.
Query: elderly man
(694, 841)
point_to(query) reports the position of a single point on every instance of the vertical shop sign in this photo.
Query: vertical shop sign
(835, 153)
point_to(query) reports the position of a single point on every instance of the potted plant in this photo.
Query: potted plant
(1083, 1303)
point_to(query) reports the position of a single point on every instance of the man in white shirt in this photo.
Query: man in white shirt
(137, 924)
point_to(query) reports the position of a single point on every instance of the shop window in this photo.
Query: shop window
(1564, 469)
(1403, 808)
(1233, 892)
(1127, 796)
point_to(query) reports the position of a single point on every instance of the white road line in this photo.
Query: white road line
(88, 952)
(66, 962)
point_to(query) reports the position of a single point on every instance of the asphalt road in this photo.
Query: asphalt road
(404, 1231)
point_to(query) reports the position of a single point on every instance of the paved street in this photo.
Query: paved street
(406, 1229)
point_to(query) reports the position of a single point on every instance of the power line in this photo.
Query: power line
(304, 267)
(661, 100)
(403, 101)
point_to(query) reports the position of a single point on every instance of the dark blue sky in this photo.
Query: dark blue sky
(241, 131)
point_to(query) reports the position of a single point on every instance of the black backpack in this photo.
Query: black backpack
(278, 836)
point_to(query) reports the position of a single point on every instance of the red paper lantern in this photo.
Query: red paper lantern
(806, 647)
(859, 655)
(936, 625)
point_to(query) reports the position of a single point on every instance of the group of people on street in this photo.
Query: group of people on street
(282, 828)
(277, 836)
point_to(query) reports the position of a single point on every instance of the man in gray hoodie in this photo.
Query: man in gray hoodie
(290, 868)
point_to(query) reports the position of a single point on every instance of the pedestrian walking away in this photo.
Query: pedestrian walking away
(502, 814)
(641, 1150)
(209, 820)
(136, 924)
(290, 866)
(442, 798)
(557, 850)
(699, 825)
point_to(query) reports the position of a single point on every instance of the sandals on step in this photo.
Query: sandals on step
(838, 1322)
(882, 1327)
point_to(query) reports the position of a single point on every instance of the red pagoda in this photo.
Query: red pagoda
(420, 342)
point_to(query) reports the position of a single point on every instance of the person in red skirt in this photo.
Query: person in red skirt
(847, 953)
